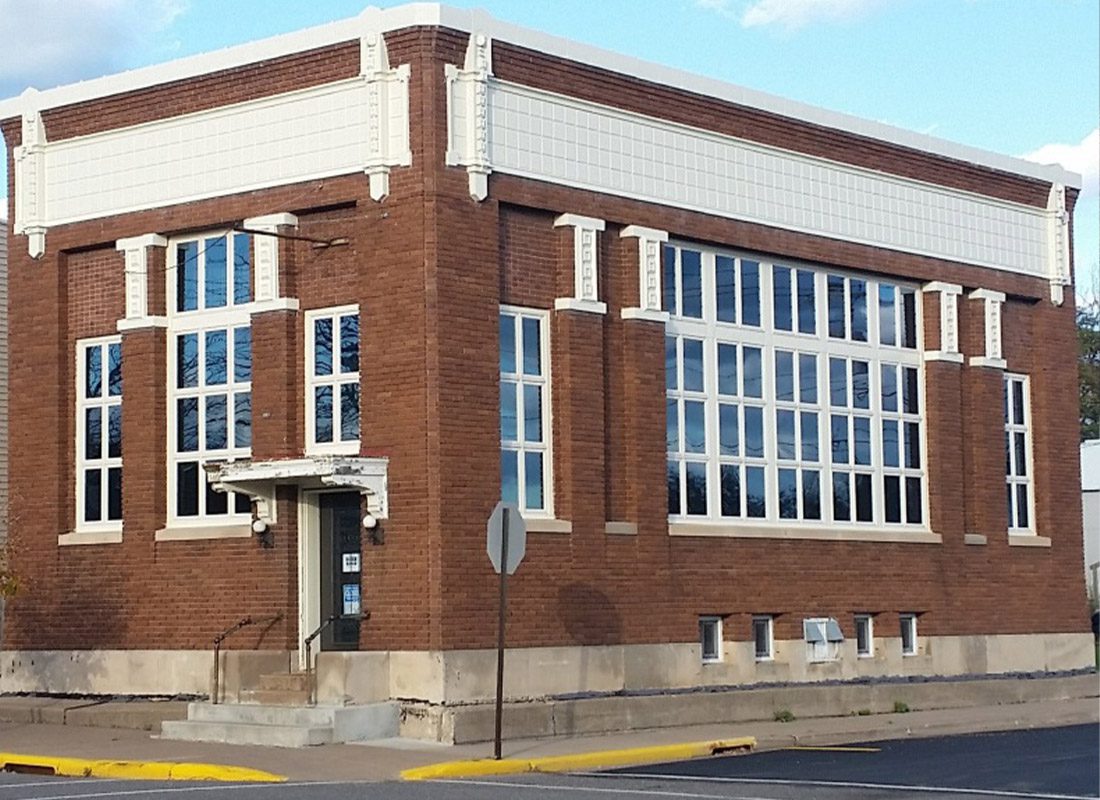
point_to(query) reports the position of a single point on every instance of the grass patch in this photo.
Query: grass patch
(783, 715)
(901, 707)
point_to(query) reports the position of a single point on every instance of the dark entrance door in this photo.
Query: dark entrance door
(341, 570)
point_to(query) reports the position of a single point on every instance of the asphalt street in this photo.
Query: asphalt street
(1049, 764)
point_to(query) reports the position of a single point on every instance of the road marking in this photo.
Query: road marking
(835, 749)
(58, 781)
(848, 785)
(159, 790)
(545, 787)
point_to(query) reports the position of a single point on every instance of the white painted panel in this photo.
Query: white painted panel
(554, 138)
(294, 137)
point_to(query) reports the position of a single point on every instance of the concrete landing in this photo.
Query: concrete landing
(283, 726)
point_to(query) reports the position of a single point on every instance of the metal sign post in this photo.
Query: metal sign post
(506, 543)
(500, 639)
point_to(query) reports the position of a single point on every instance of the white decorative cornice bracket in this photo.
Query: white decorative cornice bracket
(265, 265)
(30, 178)
(1058, 269)
(949, 322)
(468, 114)
(136, 251)
(388, 108)
(994, 356)
(650, 242)
(586, 268)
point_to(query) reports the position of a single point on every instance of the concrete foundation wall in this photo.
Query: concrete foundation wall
(135, 672)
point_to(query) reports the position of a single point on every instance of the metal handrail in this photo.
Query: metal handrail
(221, 637)
(311, 677)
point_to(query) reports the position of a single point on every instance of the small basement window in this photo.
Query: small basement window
(763, 637)
(908, 634)
(823, 638)
(710, 639)
(865, 635)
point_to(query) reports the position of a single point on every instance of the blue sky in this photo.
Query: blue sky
(1020, 77)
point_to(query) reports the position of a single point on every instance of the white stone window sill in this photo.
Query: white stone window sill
(547, 525)
(1028, 540)
(341, 449)
(734, 531)
(181, 533)
(79, 537)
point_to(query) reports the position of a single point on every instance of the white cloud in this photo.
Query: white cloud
(51, 42)
(793, 14)
(1083, 157)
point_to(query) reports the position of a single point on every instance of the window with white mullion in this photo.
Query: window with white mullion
(1019, 488)
(525, 410)
(99, 434)
(797, 413)
(332, 380)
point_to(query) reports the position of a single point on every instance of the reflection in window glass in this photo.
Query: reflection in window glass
(781, 293)
(334, 394)
(857, 291)
(523, 411)
(691, 281)
(750, 293)
(807, 302)
(725, 288)
(887, 315)
(837, 307)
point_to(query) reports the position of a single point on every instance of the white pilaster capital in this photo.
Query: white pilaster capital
(136, 252)
(30, 177)
(573, 304)
(985, 361)
(578, 221)
(987, 294)
(586, 269)
(271, 222)
(650, 241)
(640, 232)
(949, 321)
(140, 242)
(992, 302)
(645, 314)
(940, 286)
(387, 134)
(1058, 244)
(265, 266)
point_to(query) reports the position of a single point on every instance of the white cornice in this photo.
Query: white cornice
(433, 14)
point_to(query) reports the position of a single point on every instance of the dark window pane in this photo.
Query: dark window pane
(725, 286)
(114, 493)
(838, 382)
(242, 280)
(216, 357)
(532, 412)
(889, 387)
(839, 426)
(691, 283)
(891, 486)
(532, 346)
(93, 371)
(507, 343)
(914, 503)
(242, 504)
(242, 419)
(532, 481)
(890, 443)
(93, 433)
(784, 434)
(858, 298)
(187, 424)
(908, 319)
(509, 421)
(909, 402)
(322, 346)
(693, 365)
(807, 378)
(1008, 454)
(863, 636)
(349, 343)
(1018, 402)
(187, 360)
(807, 303)
(695, 429)
(216, 502)
(93, 495)
(887, 315)
(1023, 513)
(861, 387)
(727, 369)
(863, 498)
(861, 433)
(673, 479)
(750, 293)
(114, 369)
(756, 504)
(810, 446)
(215, 277)
(187, 489)
(781, 294)
(754, 383)
(1021, 456)
(912, 445)
(811, 494)
(114, 431)
(322, 413)
(669, 287)
(671, 381)
(837, 311)
(728, 438)
(509, 476)
(731, 490)
(784, 375)
(842, 511)
(788, 494)
(187, 276)
(349, 412)
(217, 432)
(242, 354)
(672, 425)
(754, 432)
(696, 488)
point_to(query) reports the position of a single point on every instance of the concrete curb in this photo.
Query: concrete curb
(598, 759)
(133, 770)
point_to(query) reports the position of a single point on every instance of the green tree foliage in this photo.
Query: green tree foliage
(1088, 367)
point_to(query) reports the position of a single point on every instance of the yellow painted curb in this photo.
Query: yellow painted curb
(134, 770)
(599, 759)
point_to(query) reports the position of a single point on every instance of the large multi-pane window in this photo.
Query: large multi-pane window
(99, 433)
(525, 410)
(1018, 453)
(210, 371)
(332, 380)
(793, 393)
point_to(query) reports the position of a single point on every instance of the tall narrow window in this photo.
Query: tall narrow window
(99, 434)
(1017, 407)
(332, 380)
(210, 372)
(763, 637)
(908, 624)
(525, 411)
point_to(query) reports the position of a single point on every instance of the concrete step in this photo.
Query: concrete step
(275, 697)
(241, 733)
(254, 714)
(285, 682)
(343, 723)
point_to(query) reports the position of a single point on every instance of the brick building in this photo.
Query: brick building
(748, 367)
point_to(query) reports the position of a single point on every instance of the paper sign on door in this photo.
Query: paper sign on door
(351, 562)
(351, 599)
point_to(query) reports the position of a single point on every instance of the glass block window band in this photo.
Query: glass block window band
(99, 434)
(333, 380)
(525, 458)
(1019, 486)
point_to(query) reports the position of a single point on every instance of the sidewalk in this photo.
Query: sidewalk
(385, 760)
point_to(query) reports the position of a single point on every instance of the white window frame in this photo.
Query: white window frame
(201, 321)
(544, 381)
(867, 621)
(715, 622)
(769, 622)
(106, 463)
(908, 623)
(337, 446)
(1013, 479)
(769, 340)
(828, 648)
